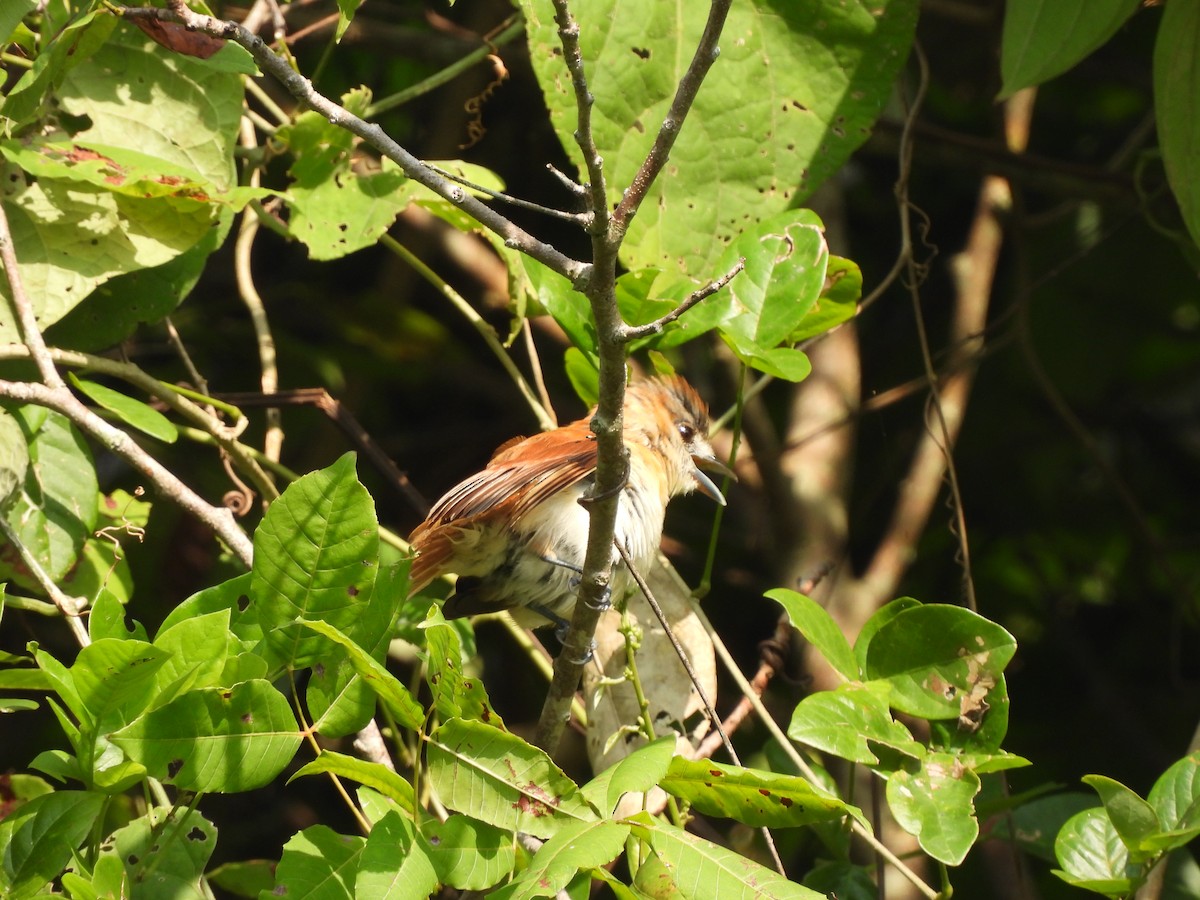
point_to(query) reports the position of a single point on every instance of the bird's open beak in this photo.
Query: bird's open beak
(706, 485)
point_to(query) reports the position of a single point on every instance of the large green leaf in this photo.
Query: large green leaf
(14, 456)
(936, 804)
(395, 863)
(639, 771)
(821, 71)
(1092, 854)
(1133, 818)
(702, 870)
(468, 854)
(216, 739)
(853, 722)
(497, 777)
(1176, 99)
(751, 796)
(374, 775)
(165, 852)
(578, 846)
(819, 629)
(394, 695)
(315, 557)
(1176, 799)
(55, 509)
(942, 661)
(70, 235)
(39, 838)
(319, 863)
(116, 677)
(455, 695)
(1044, 38)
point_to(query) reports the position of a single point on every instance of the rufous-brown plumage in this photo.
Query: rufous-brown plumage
(515, 533)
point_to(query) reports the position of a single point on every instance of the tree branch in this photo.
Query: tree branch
(302, 90)
(54, 394)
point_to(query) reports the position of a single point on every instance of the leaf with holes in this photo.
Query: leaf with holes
(215, 739)
(498, 778)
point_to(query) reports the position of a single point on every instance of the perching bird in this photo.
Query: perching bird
(516, 534)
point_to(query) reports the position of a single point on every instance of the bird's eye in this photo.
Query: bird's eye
(687, 432)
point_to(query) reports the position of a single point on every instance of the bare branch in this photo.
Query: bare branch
(597, 186)
(632, 333)
(302, 90)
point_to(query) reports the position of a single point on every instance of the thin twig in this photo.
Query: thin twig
(634, 332)
(252, 300)
(477, 321)
(574, 218)
(70, 607)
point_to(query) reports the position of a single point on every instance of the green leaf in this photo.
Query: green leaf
(395, 863)
(11, 16)
(454, 694)
(751, 796)
(467, 854)
(336, 209)
(1134, 819)
(14, 457)
(315, 557)
(936, 805)
(1092, 854)
(787, 363)
(133, 413)
(578, 847)
(72, 46)
(741, 156)
(165, 852)
(498, 778)
(159, 122)
(38, 839)
(1175, 798)
(319, 863)
(1176, 98)
(837, 303)
(848, 720)
(814, 622)
(115, 309)
(373, 775)
(786, 257)
(583, 374)
(232, 595)
(638, 772)
(339, 700)
(940, 660)
(199, 649)
(122, 170)
(54, 511)
(878, 619)
(394, 695)
(214, 739)
(1044, 38)
(106, 618)
(244, 879)
(703, 870)
(115, 678)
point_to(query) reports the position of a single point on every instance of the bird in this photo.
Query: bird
(516, 533)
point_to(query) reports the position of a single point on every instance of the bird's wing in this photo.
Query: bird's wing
(519, 477)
